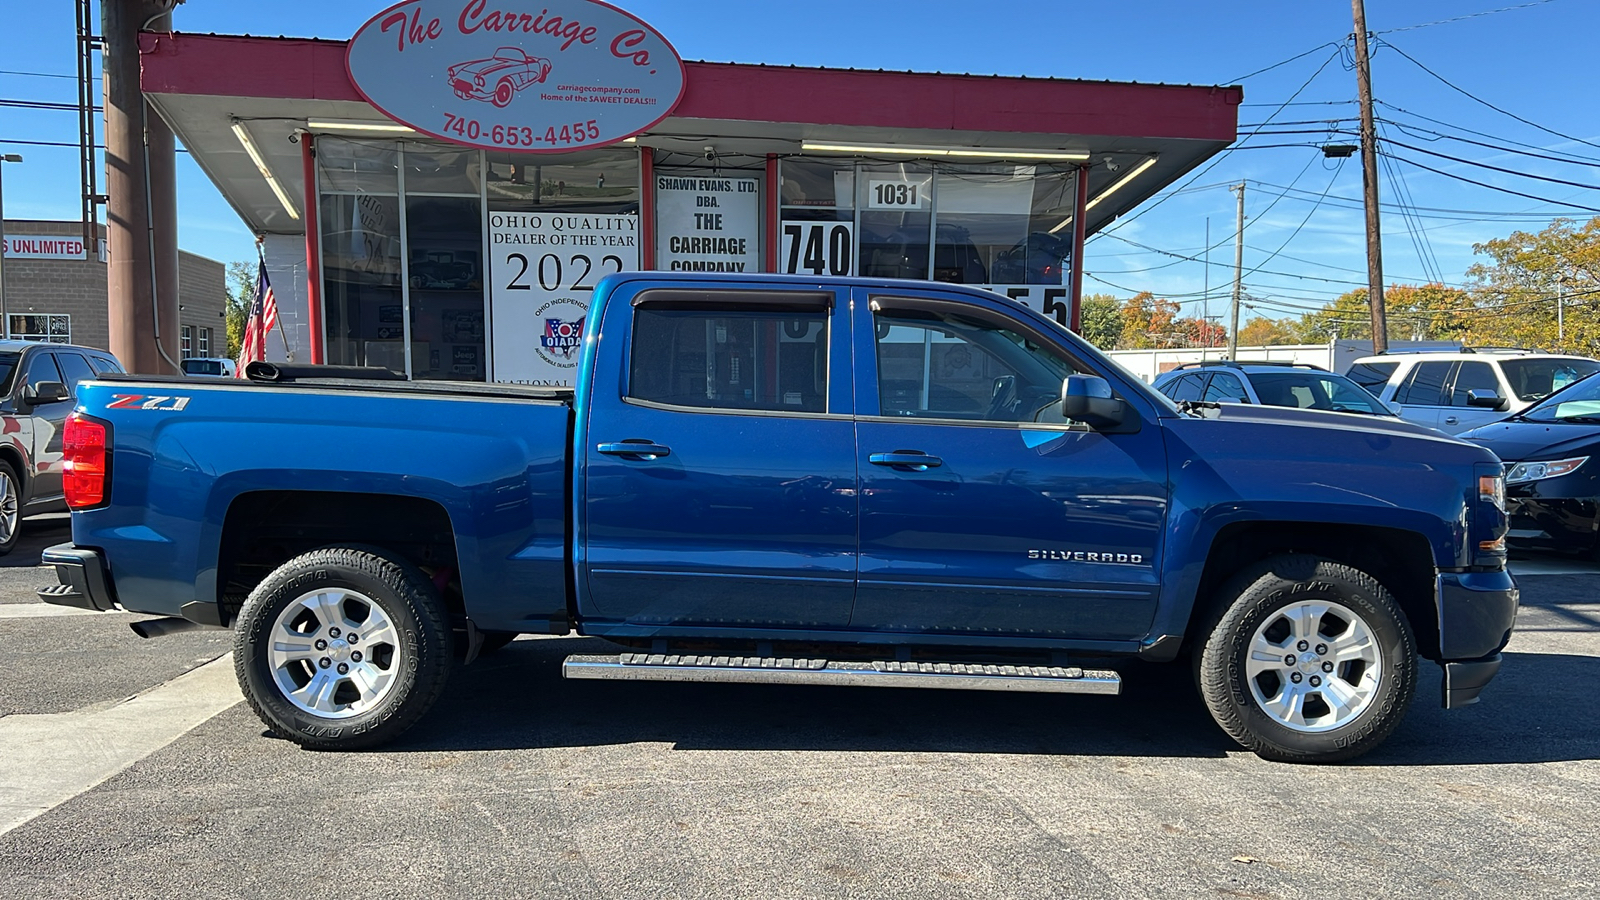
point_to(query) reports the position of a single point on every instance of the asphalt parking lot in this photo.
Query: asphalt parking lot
(521, 784)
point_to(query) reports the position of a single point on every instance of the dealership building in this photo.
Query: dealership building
(439, 194)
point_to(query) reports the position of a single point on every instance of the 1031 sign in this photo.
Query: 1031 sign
(818, 248)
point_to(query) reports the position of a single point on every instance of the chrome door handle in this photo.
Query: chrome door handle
(915, 460)
(640, 449)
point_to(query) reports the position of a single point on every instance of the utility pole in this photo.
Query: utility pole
(1369, 183)
(1238, 273)
(5, 312)
(1205, 296)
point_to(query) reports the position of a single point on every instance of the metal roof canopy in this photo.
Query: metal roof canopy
(203, 84)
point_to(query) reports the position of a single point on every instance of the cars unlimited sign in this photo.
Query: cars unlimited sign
(533, 76)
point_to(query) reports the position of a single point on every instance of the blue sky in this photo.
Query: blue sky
(1535, 62)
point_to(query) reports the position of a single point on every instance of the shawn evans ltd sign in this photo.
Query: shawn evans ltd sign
(533, 76)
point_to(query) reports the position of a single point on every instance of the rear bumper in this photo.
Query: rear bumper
(84, 582)
(1477, 611)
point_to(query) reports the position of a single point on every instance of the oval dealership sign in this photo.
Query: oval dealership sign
(533, 76)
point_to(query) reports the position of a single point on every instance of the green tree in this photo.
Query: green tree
(1428, 312)
(1100, 321)
(1529, 273)
(1262, 332)
(241, 293)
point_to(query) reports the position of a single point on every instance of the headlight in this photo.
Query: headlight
(1534, 471)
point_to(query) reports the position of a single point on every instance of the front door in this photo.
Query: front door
(720, 486)
(48, 421)
(982, 512)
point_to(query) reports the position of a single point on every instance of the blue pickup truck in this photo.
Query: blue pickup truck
(777, 480)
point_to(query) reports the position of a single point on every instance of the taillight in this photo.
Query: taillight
(86, 457)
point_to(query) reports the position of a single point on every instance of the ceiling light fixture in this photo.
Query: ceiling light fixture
(1116, 186)
(984, 152)
(254, 153)
(352, 125)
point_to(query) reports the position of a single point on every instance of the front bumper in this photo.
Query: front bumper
(1477, 611)
(85, 583)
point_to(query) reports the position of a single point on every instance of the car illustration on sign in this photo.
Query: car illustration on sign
(498, 78)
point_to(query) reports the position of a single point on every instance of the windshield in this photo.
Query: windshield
(8, 368)
(1579, 401)
(1315, 390)
(1536, 379)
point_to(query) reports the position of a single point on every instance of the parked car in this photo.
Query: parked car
(1551, 453)
(210, 367)
(498, 78)
(1296, 385)
(39, 384)
(1458, 391)
(785, 480)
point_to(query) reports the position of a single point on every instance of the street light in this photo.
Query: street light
(5, 311)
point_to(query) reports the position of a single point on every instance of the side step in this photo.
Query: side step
(878, 673)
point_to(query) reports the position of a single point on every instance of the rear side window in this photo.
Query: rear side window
(1535, 379)
(1425, 384)
(104, 365)
(1372, 376)
(730, 358)
(75, 368)
(202, 366)
(1186, 388)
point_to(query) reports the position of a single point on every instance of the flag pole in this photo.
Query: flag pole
(284, 335)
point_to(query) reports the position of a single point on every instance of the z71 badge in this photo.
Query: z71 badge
(1118, 559)
(143, 401)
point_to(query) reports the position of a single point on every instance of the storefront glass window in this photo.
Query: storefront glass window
(817, 190)
(362, 301)
(431, 169)
(605, 181)
(993, 225)
(444, 240)
(896, 212)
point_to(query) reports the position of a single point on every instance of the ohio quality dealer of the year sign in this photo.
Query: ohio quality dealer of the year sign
(533, 76)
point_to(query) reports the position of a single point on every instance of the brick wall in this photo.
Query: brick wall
(77, 288)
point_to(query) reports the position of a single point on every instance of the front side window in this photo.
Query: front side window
(724, 358)
(1225, 388)
(1424, 385)
(952, 367)
(1473, 376)
(42, 368)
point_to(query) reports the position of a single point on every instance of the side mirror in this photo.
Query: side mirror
(45, 392)
(1486, 399)
(1088, 399)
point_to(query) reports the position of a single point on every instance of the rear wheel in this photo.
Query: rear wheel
(1310, 661)
(342, 648)
(10, 508)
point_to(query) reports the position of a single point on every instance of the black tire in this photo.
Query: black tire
(418, 658)
(1257, 598)
(13, 490)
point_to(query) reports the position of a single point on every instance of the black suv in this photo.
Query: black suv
(39, 384)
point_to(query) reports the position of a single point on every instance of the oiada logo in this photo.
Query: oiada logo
(562, 334)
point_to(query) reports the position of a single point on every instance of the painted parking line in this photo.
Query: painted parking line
(52, 758)
(45, 610)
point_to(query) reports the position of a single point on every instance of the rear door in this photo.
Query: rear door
(719, 471)
(981, 513)
(1420, 396)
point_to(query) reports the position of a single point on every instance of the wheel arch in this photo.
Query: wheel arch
(1400, 560)
(263, 529)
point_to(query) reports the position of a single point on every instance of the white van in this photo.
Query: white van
(209, 367)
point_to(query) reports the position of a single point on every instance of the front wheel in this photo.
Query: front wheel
(342, 648)
(1310, 661)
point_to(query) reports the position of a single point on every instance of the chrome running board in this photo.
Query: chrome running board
(877, 673)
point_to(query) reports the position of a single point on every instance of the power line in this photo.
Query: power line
(38, 74)
(1492, 187)
(1468, 162)
(1476, 15)
(1439, 135)
(1283, 63)
(1309, 213)
(1481, 134)
(1469, 95)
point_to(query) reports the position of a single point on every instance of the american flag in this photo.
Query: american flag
(263, 316)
